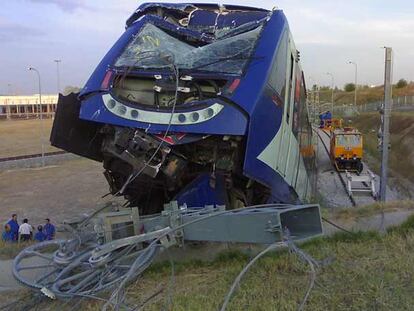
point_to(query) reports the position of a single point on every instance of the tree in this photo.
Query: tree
(349, 87)
(401, 83)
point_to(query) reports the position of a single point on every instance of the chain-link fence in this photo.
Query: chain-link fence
(400, 103)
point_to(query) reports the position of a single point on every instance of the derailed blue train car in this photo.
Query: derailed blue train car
(199, 103)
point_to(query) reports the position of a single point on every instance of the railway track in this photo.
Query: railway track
(341, 177)
(355, 181)
(31, 156)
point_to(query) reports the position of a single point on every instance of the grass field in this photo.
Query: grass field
(364, 95)
(401, 158)
(10, 250)
(60, 191)
(368, 271)
(21, 137)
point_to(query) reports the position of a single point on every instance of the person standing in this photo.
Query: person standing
(25, 230)
(14, 227)
(49, 230)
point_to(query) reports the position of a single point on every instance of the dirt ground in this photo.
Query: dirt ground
(21, 137)
(58, 192)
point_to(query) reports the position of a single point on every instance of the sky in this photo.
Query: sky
(80, 32)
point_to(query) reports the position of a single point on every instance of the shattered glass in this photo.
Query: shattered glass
(154, 48)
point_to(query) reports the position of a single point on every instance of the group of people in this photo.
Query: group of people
(14, 232)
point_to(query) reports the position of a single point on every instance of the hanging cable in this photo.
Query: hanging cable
(336, 226)
(133, 176)
(245, 269)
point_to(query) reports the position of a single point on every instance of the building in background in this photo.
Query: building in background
(27, 106)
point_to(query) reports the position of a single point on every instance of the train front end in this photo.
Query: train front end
(347, 150)
(168, 109)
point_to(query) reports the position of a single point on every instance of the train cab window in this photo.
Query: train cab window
(289, 104)
(277, 78)
(354, 140)
(155, 48)
(348, 140)
(340, 140)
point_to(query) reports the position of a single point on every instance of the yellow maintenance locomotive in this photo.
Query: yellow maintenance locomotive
(346, 149)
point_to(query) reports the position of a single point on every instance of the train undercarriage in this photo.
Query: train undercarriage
(151, 170)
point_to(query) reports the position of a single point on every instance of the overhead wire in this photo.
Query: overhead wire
(336, 226)
(244, 270)
(141, 261)
(308, 259)
(133, 176)
(286, 242)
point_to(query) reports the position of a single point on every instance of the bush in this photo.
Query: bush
(349, 87)
(401, 83)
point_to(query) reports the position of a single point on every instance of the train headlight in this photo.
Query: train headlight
(161, 117)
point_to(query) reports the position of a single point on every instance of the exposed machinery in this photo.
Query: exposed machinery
(328, 123)
(325, 119)
(346, 149)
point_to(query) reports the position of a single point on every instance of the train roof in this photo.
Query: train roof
(186, 8)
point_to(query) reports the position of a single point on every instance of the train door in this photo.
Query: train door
(286, 143)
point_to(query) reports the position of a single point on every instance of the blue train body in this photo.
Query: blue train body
(200, 103)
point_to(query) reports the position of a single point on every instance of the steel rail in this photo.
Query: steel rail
(32, 156)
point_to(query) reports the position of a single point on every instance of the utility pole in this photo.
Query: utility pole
(41, 114)
(356, 81)
(385, 123)
(57, 61)
(332, 85)
(313, 96)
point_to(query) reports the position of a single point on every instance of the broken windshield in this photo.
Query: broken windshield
(154, 48)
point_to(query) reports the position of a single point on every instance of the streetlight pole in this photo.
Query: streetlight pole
(57, 61)
(332, 96)
(41, 114)
(356, 81)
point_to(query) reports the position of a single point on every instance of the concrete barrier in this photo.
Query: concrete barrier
(36, 161)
